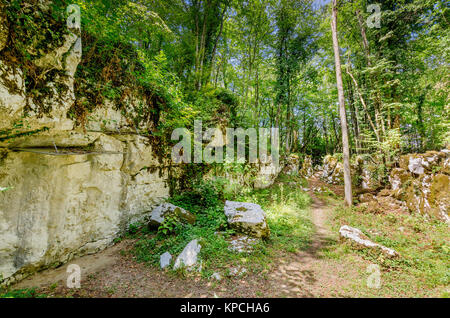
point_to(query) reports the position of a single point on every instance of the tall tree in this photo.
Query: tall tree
(342, 112)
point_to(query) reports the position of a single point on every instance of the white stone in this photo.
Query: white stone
(247, 218)
(242, 244)
(358, 237)
(164, 260)
(237, 271)
(416, 165)
(217, 276)
(189, 256)
(268, 172)
(158, 214)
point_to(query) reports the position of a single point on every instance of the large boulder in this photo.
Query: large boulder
(361, 241)
(162, 211)
(189, 256)
(247, 218)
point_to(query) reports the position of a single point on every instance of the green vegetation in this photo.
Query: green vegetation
(22, 293)
(421, 269)
(287, 217)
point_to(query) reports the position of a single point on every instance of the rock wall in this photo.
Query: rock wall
(332, 171)
(420, 183)
(71, 191)
(423, 182)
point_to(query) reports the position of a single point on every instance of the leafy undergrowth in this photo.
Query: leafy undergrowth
(422, 270)
(287, 217)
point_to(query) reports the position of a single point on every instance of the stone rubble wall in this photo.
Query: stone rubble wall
(423, 182)
(420, 183)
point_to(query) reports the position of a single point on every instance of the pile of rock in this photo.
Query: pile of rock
(248, 219)
(332, 170)
(421, 184)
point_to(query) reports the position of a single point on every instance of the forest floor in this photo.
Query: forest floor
(324, 267)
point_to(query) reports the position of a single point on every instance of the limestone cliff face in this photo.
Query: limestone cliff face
(71, 191)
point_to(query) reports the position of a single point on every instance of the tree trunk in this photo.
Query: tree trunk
(345, 146)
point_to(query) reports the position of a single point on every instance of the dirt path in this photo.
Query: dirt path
(308, 273)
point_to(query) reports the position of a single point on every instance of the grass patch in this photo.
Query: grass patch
(288, 216)
(22, 293)
(423, 266)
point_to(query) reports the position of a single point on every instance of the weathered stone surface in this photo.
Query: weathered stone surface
(217, 276)
(292, 165)
(332, 170)
(70, 191)
(398, 177)
(164, 210)
(415, 165)
(360, 240)
(61, 206)
(247, 218)
(385, 193)
(4, 32)
(242, 244)
(189, 256)
(369, 179)
(366, 197)
(164, 260)
(12, 95)
(423, 187)
(61, 58)
(429, 195)
(422, 163)
(267, 174)
(307, 168)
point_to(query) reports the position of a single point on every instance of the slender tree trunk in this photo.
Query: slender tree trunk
(354, 115)
(372, 124)
(213, 56)
(345, 145)
(379, 120)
